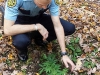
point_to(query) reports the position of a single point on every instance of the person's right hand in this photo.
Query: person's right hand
(43, 31)
(68, 62)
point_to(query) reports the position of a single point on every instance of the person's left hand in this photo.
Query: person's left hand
(68, 63)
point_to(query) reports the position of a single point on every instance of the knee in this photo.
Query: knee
(70, 30)
(21, 42)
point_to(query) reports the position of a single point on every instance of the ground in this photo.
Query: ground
(83, 46)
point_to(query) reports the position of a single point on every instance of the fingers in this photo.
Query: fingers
(66, 65)
(72, 65)
(43, 31)
(45, 36)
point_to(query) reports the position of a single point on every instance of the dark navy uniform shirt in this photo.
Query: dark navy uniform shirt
(29, 7)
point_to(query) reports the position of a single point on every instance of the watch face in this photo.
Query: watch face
(63, 53)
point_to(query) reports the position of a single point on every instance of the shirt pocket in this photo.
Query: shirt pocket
(26, 12)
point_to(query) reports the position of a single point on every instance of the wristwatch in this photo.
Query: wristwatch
(63, 53)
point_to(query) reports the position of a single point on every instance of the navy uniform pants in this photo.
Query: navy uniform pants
(21, 41)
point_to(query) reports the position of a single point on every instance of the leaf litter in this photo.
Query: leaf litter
(86, 17)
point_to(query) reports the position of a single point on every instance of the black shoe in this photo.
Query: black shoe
(23, 56)
(40, 42)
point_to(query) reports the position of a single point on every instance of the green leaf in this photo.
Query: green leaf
(86, 64)
(78, 50)
(77, 40)
(71, 47)
(72, 40)
(41, 71)
(44, 56)
(0, 35)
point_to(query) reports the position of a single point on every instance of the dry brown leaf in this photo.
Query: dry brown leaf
(1, 38)
(98, 54)
(95, 44)
(99, 49)
(0, 73)
(67, 39)
(86, 49)
(97, 73)
(37, 74)
(81, 39)
(10, 56)
(2, 59)
(20, 73)
(91, 71)
(91, 30)
(78, 65)
(24, 67)
(2, 66)
(81, 71)
(85, 29)
(50, 47)
(2, 0)
(92, 48)
(10, 40)
(83, 55)
(14, 72)
(1, 50)
(98, 66)
(98, 37)
(6, 72)
(93, 24)
(97, 28)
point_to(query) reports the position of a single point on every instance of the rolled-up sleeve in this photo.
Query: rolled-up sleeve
(12, 12)
(54, 9)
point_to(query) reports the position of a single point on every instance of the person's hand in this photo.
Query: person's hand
(68, 63)
(43, 31)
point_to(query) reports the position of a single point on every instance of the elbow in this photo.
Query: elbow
(8, 27)
(6, 32)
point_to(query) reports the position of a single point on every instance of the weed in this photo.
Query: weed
(51, 66)
(76, 49)
(89, 64)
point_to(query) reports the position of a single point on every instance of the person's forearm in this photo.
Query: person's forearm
(18, 29)
(60, 36)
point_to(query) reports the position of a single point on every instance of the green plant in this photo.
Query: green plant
(51, 66)
(76, 49)
(89, 64)
(24, 71)
(0, 35)
(8, 62)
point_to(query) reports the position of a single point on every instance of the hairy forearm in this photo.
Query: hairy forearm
(60, 36)
(18, 29)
